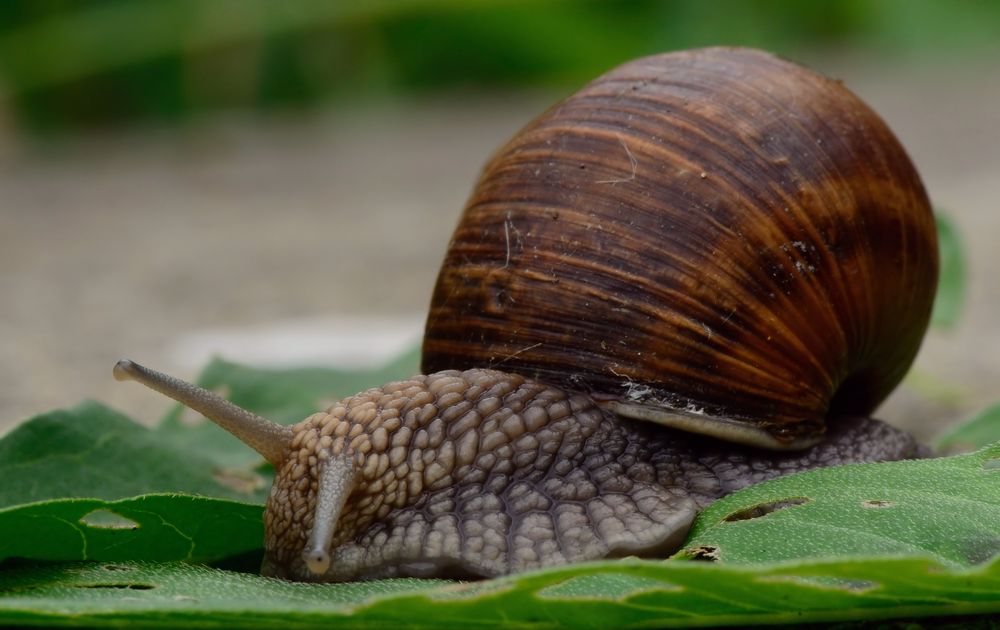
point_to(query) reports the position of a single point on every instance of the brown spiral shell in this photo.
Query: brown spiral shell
(717, 231)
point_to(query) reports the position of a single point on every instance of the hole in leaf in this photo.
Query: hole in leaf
(126, 586)
(115, 567)
(764, 509)
(876, 503)
(992, 464)
(979, 549)
(705, 553)
(611, 586)
(106, 519)
(822, 581)
(472, 590)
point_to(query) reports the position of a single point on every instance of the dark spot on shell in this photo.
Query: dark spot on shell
(496, 293)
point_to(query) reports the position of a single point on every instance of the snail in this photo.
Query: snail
(703, 270)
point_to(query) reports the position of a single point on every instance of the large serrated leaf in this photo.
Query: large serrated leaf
(286, 396)
(619, 594)
(947, 508)
(94, 452)
(151, 527)
(614, 593)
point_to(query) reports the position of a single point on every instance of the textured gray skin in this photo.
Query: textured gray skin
(544, 478)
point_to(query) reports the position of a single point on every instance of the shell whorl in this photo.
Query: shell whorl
(715, 230)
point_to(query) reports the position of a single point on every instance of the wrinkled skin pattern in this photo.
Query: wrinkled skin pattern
(481, 473)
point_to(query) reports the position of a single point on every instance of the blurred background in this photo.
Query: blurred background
(276, 182)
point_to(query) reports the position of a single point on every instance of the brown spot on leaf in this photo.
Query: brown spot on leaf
(131, 587)
(877, 503)
(708, 553)
(106, 519)
(978, 549)
(822, 581)
(764, 509)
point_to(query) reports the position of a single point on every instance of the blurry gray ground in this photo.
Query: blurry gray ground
(157, 243)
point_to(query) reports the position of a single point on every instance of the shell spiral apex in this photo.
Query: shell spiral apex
(718, 234)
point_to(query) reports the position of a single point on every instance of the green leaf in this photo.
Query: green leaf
(951, 282)
(941, 524)
(945, 508)
(286, 396)
(934, 389)
(75, 43)
(151, 527)
(620, 594)
(64, 470)
(94, 452)
(980, 430)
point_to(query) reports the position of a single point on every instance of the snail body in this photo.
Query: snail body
(699, 245)
(482, 473)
